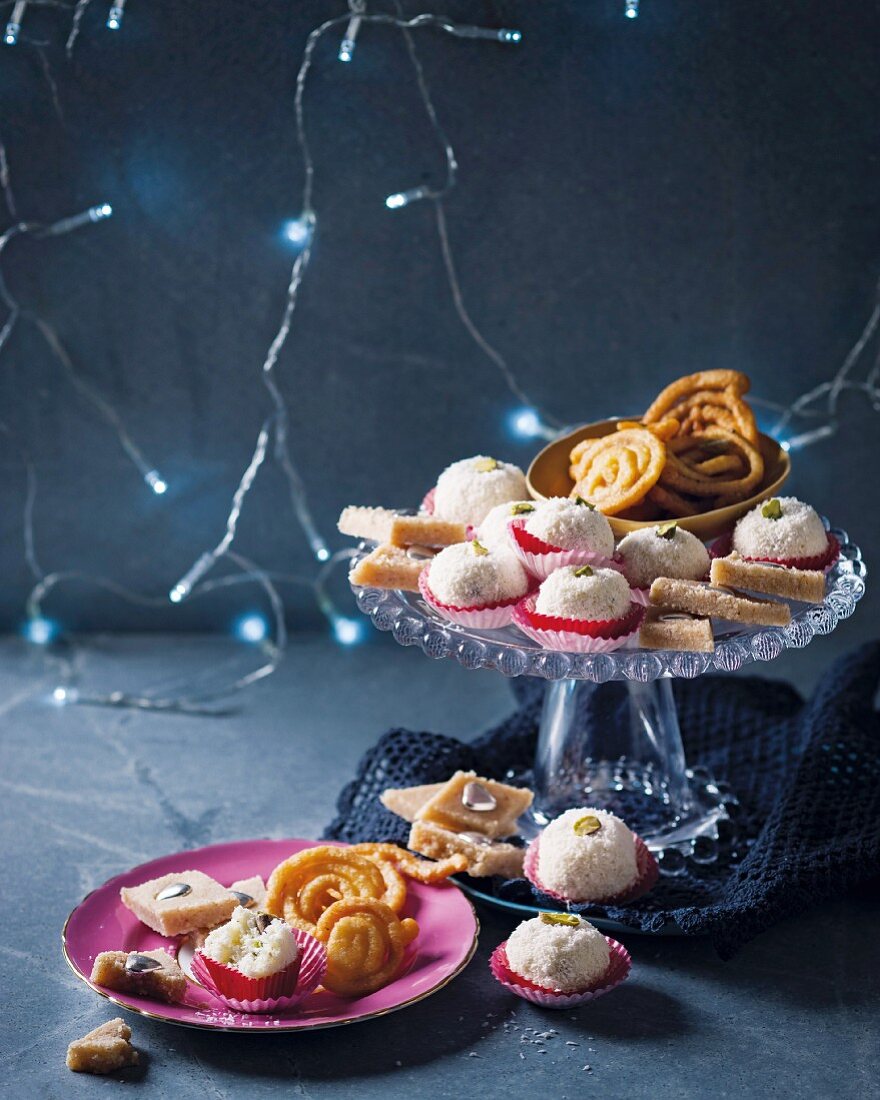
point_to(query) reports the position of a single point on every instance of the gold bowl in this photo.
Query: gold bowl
(548, 477)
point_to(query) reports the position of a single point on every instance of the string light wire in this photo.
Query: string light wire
(195, 582)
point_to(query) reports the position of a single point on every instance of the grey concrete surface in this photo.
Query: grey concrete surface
(88, 793)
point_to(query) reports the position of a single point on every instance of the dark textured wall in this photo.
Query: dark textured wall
(638, 199)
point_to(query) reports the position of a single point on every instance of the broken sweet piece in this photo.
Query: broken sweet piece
(249, 892)
(384, 525)
(485, 857)
(469, 803)
(697, 598)
(179, 902)
(103, 1050)
(806, 585)
(144, 973)
(676, 630)
(389, 567)
(407, 801)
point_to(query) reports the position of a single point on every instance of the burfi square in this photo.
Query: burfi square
(166, 982)
(206, 904)
(103, 1050)
(469, 803)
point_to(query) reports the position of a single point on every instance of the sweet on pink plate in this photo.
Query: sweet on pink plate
(446, 942)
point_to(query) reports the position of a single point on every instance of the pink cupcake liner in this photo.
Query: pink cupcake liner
(723, 545)
(598, 637)
(427, 505)
(243, 994)
(646, 866)
(641, 596)
(490, 617)
(541, 558)
(618, 970)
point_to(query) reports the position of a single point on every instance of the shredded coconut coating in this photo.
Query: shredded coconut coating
(492, 532)
(571, 526)
(562, 957)
(799, 533)
(256, 954)
(647, 555)
(467, 494)
(587, 868)
(462, 577)
(603, 595)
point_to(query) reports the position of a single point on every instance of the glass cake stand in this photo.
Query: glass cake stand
(609, 733)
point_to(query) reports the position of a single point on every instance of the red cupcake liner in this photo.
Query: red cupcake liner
(259, 995)
(619, 967)
(576, 635)
(427, 505)
(646, 866)
(542, 558)
(491, 616)
(723, 545)
(641, 596)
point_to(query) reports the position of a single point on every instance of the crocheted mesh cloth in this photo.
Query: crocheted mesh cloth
(807, 776)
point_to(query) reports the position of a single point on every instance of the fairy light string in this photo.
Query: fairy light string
(274, 435)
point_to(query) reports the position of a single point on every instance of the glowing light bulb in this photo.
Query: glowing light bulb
(404, 198)
(322, 553)
(114, 18)
(300, 231)
(527, 424)
(13, 27)
(347, 631)
(40, 631)
(98, 213)
(347, 45)
(191, 578)
(806, 438)
(631, 11)
(61, 696)
(251, 628)
(509, 36)
(156, 483)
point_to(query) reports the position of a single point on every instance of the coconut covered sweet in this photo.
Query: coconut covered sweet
(469, 489)
(571, 525)
(255, 944)
(581, 592)
(782, 527)
(493, 532)
(587, 855)
(662, 551)
(558, 951)
(471, 575)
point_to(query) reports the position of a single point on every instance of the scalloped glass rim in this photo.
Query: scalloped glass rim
(413, 622)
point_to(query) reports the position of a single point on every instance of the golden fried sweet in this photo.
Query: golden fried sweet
(365, 943)
(618, 470)
(302, 887)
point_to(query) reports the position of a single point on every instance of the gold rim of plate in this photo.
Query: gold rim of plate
(548, 477)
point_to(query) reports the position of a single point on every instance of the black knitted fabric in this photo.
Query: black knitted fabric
(806, 774)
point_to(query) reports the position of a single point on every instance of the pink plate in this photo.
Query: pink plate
(445, 945)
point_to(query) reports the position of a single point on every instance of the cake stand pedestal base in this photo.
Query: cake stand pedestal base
(617, 746)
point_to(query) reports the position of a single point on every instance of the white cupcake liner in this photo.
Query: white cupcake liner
(541, 565)
(618, 970)
(566, 641)
(492, 617)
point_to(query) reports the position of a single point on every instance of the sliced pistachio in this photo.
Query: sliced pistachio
(521, 509)
(478, 547)
(587, 825)
(667, 530)
(561, 918)
(583, 571)
(486, 465)
(772, 509)
(580, 500)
